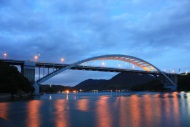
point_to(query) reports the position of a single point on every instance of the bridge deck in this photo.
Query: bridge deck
(79, 67)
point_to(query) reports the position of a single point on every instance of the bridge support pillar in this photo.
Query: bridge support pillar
(37, 89)
(28, 70)
(174, 78)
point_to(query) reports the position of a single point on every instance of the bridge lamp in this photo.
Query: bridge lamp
(35, 58)
(103, 63)
(5, 55)
(133, 67)
(119, 65)
(62, 60)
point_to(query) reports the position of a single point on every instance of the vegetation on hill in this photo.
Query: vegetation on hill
(12, 81)
(122, 81)
(184, 83)
(153, 85)
(133, 81)
(91, 84)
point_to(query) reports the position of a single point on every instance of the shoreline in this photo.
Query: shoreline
(7, 97)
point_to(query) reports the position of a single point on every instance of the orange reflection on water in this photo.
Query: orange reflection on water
(33, 118)
(176, 109)
(167, 105)
(61, 116)
(4, 108)
(157, 95)
(83, 105)
(166, 95)
(103, 113)
(174, 94)
(149, 109)
(123, 121)
(156, 109)
(135, 111)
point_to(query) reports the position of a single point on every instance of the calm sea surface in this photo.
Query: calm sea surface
(109, 109)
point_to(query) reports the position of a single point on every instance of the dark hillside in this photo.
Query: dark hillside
(119, 81)
(11, 80)
(91, 84)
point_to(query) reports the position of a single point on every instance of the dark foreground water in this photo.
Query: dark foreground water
(130, 109)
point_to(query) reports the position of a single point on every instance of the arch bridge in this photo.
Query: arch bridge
(145, 67)
(138, 66)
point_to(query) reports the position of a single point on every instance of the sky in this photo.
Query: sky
(157, 31)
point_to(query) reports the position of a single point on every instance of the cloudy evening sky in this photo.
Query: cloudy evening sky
(157, 31)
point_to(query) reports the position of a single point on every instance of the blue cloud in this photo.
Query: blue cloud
(75, 29)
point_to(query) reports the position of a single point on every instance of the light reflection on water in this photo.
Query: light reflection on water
(103, 112)
(82, 105)
(4, 109)
(33, 115)
(133, 109)
(61, 117)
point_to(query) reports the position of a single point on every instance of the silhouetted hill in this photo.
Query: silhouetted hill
(153, 85)
(184, 82)
(122, 80)
(127, 80)
(91, 84)
(11, 80)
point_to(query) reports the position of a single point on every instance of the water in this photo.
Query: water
(130, 109)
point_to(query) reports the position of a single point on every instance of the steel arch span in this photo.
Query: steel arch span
(126, 58)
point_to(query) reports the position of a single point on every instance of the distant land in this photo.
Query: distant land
(132, 81)
(122, 81)
(12, 81)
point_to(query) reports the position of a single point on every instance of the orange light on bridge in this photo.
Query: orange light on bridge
(62, 60)
(4, 55)
(35, 58)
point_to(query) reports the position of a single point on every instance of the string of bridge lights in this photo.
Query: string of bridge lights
(103, 64)
(36, 57)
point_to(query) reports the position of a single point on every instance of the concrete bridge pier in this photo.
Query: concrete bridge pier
(37, 88)
(174, 78)
(28, 70)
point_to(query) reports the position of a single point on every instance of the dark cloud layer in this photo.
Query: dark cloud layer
(77, 29)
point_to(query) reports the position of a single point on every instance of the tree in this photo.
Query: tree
(11, 80)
